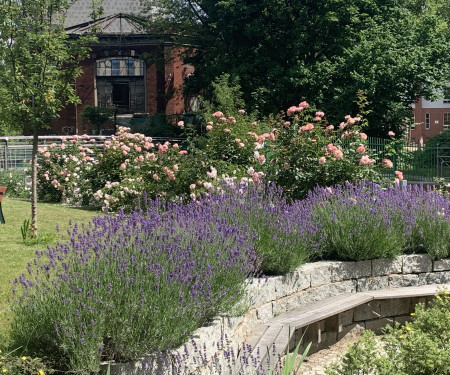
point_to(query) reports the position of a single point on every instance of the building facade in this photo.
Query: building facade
(129, 70)
(431, 118)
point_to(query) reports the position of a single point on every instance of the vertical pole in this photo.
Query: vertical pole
(6, 154)
(437, 161)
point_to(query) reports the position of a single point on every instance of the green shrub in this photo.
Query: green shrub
(14, 180)
(421, 347)
(12, 364)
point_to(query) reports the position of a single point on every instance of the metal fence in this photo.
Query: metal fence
(15, 152)
(418, 163)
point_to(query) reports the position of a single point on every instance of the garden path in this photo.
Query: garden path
(315, 363)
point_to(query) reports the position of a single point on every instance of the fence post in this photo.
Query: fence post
(6, 153)
(394, 157)
(437, 160)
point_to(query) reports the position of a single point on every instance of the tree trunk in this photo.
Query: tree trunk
(34, 224)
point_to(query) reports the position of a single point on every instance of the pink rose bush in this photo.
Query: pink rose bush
(298, 152)
(317, 153)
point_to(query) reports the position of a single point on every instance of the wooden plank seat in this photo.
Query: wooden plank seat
(2, 192)
(276, 335)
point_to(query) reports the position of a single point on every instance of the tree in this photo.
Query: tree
(322, 51)
(38, 67)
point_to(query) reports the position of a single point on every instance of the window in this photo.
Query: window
(447, 121)
(115, 68)
(427, 121)
(120, 84)
(120, 67)
(447, 94)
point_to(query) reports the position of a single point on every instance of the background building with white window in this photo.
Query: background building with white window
(129, 69)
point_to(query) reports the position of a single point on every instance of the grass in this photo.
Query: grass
(15, 254)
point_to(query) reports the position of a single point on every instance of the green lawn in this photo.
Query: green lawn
(14, 254)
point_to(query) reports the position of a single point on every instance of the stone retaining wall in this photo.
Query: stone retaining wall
(269, 297)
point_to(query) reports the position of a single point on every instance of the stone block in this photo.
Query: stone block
(230, 323)
(265, 312)
(319, 272)
(289, 284)
(417, 263)
(371, 310)
(383, 267)
(261, 291)
(434, 277)
(377, 325)
(350, 270)
(298, 279)
(372, 283)
(398, 281)
(346, 317)
(393, 307)
(355, 327)
(288, 303)
(402, 319)
(328, 339)
(441, 265)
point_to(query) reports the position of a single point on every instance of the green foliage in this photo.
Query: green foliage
(25, 229)
(227, 94)
(420, 347)
(39, 62)
(14, 180)
(308, 152)
(430, 150)
(12, 364)
(323, 51)
(289, 367)
(345, 235)
(96, 116)
(42, 239)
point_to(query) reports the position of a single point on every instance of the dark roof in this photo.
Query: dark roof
(117, 24)
(80, 11)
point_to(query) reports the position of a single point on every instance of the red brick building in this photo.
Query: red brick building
(129, 70)
(432, 118)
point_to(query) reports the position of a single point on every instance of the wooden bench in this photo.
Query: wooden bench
(274, 339)
(2, 191)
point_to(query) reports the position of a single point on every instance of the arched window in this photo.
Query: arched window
(120, 67)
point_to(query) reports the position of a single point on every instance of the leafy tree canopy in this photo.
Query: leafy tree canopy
(38, 67)
(322, 51)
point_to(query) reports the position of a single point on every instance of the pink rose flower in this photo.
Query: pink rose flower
(307, 127)
(399, 175)
(391, 134)
(218, 114)
(361, 149)
(338, 154)
(322, 160)
(365, 160)
(363, 135)
(386, 163)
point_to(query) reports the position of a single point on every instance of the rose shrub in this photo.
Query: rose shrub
(297, 152)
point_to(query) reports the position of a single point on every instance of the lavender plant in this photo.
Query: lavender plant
(280, 232)
(129, 285)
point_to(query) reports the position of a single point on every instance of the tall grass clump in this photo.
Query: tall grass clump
(129, 285)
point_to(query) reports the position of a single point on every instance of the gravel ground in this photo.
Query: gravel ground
(315, 363)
